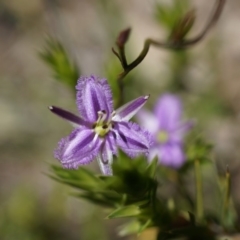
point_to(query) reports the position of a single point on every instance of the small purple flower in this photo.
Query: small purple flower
(100, 130)
(167, 129)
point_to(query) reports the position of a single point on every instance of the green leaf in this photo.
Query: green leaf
(146, 225)
(169, 15)
(197, 148)
(134, 227)
(129, 211)
(129, 228)
(56, 57)
(124, 163)
(152, 168)
(96, 198)
(81, 178)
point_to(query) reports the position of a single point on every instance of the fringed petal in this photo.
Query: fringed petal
(80, 148)
(132, 139)
(93, 95)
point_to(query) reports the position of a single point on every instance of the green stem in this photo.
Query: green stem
(226, 196)
(123, 57)
(199, 191)
(183, 191)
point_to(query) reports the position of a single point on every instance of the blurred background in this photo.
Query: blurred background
(206, 76)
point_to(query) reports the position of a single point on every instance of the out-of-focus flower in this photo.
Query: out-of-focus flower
(100, 130)
(167, 129)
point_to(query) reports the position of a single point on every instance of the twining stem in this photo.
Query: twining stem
(128, 67)
(199, 190)
(212, 20)
(123, 57)
(177, 44)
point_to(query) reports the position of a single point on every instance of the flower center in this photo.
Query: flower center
(102, 129)
(162, 136)
(103, 125)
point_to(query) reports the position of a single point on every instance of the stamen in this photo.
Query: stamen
(102, 115)
(110, 117)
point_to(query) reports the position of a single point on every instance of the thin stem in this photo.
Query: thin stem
(132, 65)
(183, 191)
(123, 57)
(212, 20)
(145, 50)
(116, 54)
(199, 191)
(226, 195)
(180, 44)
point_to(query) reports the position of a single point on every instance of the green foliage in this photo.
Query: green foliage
(197, 149)
(132, 193)
(133, 182)
(182, 27)
(168, 15)
(56, 57)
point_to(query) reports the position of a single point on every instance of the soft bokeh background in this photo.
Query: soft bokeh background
(34, 207)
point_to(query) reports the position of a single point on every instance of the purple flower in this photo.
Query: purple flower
(167, 129)
(100, 130)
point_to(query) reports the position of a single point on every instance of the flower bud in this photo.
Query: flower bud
(183, 27)
(123, 37)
